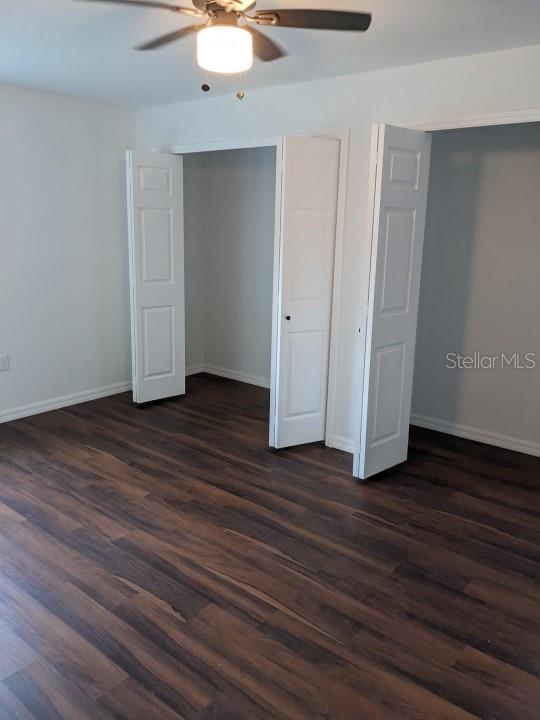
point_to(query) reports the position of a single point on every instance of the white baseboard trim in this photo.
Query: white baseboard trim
(230, 374)
(63, 401)
(194, 370)
(483, 436)
(341, 443)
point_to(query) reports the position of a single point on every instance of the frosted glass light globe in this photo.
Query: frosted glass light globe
(224, 49)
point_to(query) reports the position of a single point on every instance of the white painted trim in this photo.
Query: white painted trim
(218, 145)
(132, 274)
(467, 121)
(195, 370)
(63, 401)
(230, 374)
(365, 284)
(483, 436)
(341, 443)
(276, 295)
(344, 142)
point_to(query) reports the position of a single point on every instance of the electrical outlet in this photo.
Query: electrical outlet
(4, 362)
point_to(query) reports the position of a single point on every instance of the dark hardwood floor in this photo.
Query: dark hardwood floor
(162, 563)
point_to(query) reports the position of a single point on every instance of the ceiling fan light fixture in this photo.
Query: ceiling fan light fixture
(226, 49)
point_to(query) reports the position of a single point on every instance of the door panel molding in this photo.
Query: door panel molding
(156, 251)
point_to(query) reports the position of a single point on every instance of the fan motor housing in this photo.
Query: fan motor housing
(222, 17)
(230, 6)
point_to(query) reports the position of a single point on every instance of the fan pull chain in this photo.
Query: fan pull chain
(241, 94)
(205, 87)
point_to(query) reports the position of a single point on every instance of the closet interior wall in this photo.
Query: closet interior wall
(229, 216)
(480, 290)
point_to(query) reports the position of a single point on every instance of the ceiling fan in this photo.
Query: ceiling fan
(228, 38)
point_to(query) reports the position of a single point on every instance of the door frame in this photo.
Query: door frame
(277, 141)
(455, 122)
(366, 275)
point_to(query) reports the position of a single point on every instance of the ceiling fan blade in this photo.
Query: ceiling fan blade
(264, 48)
(318, 19)
(169, 38)
(149, 4)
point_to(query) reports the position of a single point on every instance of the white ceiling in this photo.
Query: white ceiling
(85, 49)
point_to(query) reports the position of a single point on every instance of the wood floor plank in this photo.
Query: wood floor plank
(131, 701)
(15, 654)
(49, 561)
(49, 695)
(350, 689)
(66, 650)
(11, 707)
(292, 685)
(458, 689)
(163, 564)
(130, 650)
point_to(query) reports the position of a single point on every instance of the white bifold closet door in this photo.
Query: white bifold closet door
(307, 247)
(307, 197)
(156, 240)
(399, 214)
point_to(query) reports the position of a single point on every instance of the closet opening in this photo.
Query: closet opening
(235, 258)
(229, 231)
(477, 364)
(453, 291)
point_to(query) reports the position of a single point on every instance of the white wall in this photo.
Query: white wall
(493, 82)
(64, 299)
(480, 288)
(229, 235)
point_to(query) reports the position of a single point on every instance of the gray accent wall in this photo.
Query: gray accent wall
(480, 287)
